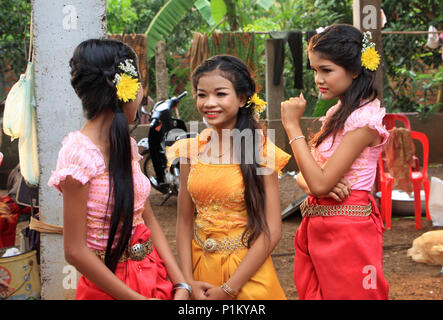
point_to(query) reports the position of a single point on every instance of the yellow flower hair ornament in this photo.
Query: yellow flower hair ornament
(259, 104)
(370, 59)
(126, 82)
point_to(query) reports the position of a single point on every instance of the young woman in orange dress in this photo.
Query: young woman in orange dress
(111, 235)
(232, 183)
(338, 246)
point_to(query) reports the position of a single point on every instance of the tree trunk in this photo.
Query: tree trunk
(161, 71)
(231, 12)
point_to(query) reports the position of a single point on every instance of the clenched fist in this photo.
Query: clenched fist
(292, 110)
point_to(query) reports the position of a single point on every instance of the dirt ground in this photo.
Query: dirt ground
(407, 278)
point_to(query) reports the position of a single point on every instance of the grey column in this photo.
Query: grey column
(59, 26)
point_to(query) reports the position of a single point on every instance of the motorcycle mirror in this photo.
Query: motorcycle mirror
(162, 106)
(143, 110)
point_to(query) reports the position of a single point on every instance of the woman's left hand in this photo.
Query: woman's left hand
(217, 293)
(292, 110)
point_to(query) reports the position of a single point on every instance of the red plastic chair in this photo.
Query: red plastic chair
(389, 122)
(417, 177)
(421, 177)
(390, 118)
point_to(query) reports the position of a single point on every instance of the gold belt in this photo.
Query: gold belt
(311, 210)
(223, 245)
(136, 252)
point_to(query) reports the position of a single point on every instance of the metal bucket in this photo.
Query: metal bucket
(293, 207)
(403, 203)
(21, 273)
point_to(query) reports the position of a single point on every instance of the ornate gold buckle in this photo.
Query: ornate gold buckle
(139, 251)
(210, 245)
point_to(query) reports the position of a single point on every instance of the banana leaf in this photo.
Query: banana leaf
(168, 17)
(218, 10)
(204, 7)
(265, 4)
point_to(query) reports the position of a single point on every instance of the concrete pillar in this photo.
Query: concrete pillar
(59, 26)
(367, 17)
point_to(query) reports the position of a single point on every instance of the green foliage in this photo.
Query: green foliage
(130, 16)
(422, 90)
(404, 55)
(204, 7)
(15, 17)
(323, 106)
(165, 22)
(408, 61)
(297, 15)
(218, 10)
(120, 15)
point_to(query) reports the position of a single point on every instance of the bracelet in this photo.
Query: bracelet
(296, 138)
(182, 285)
(231, 292)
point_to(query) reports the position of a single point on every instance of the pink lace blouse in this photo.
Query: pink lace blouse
(80, 158)
(362, 173)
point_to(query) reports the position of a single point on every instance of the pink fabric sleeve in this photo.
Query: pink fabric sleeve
(370, 115)
(75, 159)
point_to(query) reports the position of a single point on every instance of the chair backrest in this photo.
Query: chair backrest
(389, 122)
(390, 118)
(420, 136)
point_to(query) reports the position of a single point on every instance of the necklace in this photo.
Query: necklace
(218, 156)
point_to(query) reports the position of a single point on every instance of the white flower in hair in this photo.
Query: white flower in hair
(128, 67)
(370, 59)
(117, 78)
(127, 83)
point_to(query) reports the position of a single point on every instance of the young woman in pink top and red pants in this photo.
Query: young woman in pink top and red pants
(111, 235)
(338, 246)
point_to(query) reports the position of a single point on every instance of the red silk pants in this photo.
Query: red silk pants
(340, 257)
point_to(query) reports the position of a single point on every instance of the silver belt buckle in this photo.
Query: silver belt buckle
(210, 245)
(138, 252)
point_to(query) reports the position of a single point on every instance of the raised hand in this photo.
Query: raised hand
(292, 110)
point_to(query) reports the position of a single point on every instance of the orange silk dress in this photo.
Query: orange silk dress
(217, 191)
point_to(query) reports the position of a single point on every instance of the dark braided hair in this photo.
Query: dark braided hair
(342, 44)
(235, 70)
(93, 67)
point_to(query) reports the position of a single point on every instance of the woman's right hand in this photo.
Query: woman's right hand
(199, 289)
(292, 110)
(341, 191)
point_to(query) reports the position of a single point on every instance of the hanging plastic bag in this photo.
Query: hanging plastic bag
(436, 202)
(433, 39)
(17, 102)
(27, 143)
(19, 120)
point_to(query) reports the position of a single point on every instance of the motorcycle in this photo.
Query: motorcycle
(164, 130)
